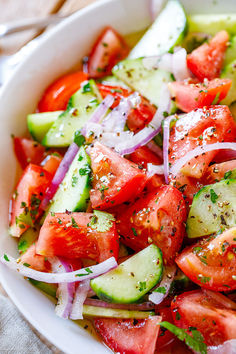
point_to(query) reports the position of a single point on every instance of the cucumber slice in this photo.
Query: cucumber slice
(80, 107)
(229, 72)
(40, 123)
(166, 32)
(132, 279)
(49, 289)
(213, 208)
(114, 313)
(148, 82)
(212, 23)
(73, 193)
(27, 239)
(230, 54)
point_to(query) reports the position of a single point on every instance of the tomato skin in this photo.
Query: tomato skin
(28, 151)
(142, 156)
(138, 117)
(58, 237)
(115, 179)
(155, 218)
(34, 260)
(30, 191)
(200, 127)
(214, 264)
(57, 95)
(195, 309)
(165, 337)
(129, 336)
(51, 163)
(109, 48)
(189, 96)
(216, 172)
(206, 61)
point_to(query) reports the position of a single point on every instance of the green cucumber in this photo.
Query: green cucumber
(193, 40)
(80, 107)
(229, 72)
(212, 23)
(167, 31)
(132, 279)
(95, 311)
(73, 192)
(213, 208)
(49, 289)
(27, 239)
(113, 81)
(230, 54)
(148, 82)
(40, 123)
(232, 108)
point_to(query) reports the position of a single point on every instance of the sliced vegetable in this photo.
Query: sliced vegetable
(40, 123)
(28, 151)
(223, 170)
(212, 23)
(27, 239)
(229, 72)
(159, 293)
(94, 311)
(33, 260)
(130, 282)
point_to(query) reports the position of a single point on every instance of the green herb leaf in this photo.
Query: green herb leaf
(196, 250)
(213, 195)
(74, 223)
(142, 285)
(26, 264)
(6, 258)
(195, 342)
(79, 138)
(134, 231)
(227, 174)
(161, 290)
(85, 171)
(74, 181)
(86, 88)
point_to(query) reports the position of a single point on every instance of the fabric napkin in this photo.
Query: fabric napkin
(16, 336)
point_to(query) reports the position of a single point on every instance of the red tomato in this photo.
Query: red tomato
(206, 61)
(28, 151)
(155, 218)
(200, 127)
(216, 172)
(115, 179)
(142, 156)
(34, 260)
(57, 95)
(189, 96)
(51, 163)
(196, 309)
(25, 208)
(165, 337)
(211, 263)
(70, 235)
(139, 116)
(129, 336)
(109, 48)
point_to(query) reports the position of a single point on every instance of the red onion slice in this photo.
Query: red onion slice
(155, 148)
(155, 169)
(179, 65)
(65, 291)
(78, 275)
(164, 107)
(164, 287)
(98, 114)
(166, 137)
(60, 174)
(79, 299)
(163, 62)
(228, 347)
(145, 306)
(198, 151)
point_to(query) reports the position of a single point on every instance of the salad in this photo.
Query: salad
(125, 212)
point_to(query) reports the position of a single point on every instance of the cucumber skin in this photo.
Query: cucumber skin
(123, 299)
(49, 289)
(197, 195)
(212, 23)
(27, 239)
(38, 132)
(229, 72)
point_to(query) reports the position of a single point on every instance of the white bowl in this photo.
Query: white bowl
(60, 50)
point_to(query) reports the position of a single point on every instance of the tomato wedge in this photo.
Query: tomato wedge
(51, 163)
(200, 127)
(165, 337)
(25, 203)
(109, 48)
(189, 96)
(155, 218)
(218, 171)
(206, 61)
(142, 156)
(72, 235)
(34, 260)
(28, 151)
(197, 309)
(115, 179)
(211, 263)
(139, 117)
(129, 336)
(57, 95)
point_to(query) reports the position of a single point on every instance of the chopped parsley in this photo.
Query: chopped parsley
(134, 231)
(85, 170)
(213, 195)
(86, 88)
(196, 250)
(74, 181)
(227, 174)
(203, 279)
(6, 258)
(74, 223)
(26, 264)
(79, 138)
(142, 285)
(88, 270)
(195, 342)
(161, 290)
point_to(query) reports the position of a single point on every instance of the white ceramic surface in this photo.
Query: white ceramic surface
(58, 51)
